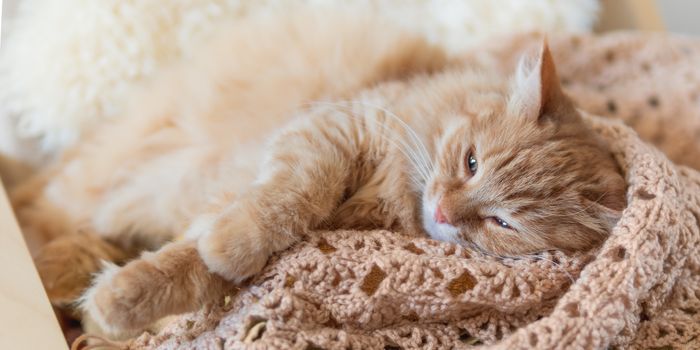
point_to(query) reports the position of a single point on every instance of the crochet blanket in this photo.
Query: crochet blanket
(385, 290)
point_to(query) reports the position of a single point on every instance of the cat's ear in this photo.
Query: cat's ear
(537, 93)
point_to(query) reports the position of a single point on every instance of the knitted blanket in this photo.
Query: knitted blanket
(385, 290)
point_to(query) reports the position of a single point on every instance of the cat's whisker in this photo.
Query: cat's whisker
(582, 210)
(412, 156)
(559, 265)
(590, 205)
(530, 257)
(421, 157)
(422, 152)
(412, 133)
(418, 184)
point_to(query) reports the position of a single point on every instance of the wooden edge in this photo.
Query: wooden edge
(630, 14)
(27, 320)
(0, 23)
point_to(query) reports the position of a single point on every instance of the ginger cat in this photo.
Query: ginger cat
(381, 131)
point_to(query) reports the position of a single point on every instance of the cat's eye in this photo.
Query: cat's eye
(472, 165)
(501, 222)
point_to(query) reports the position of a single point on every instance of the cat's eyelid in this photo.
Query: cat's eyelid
(497, 220)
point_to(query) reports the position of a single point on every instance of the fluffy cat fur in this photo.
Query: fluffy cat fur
(315, 122)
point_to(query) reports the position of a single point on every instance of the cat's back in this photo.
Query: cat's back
(248, 80)
(240, 87)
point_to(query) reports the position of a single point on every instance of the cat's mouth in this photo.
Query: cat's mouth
(433, 223)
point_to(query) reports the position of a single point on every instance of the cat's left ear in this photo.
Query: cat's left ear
(537, 93)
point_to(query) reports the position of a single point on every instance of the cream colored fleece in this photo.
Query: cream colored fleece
(67, 65)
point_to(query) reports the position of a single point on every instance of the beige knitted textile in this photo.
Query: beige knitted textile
(383, 290)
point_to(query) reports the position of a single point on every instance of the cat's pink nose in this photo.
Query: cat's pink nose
(439, 217)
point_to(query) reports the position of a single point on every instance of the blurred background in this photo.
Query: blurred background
(678, 16)
(64, 65)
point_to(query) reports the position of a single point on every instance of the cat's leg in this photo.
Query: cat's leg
(169, 281)
(66, 253)
(67, 263)
(41, 221)
(302, 183)
(78, 213)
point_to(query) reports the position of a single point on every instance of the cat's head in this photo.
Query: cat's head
(527, 176)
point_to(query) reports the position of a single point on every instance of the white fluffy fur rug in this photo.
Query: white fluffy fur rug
(67, 64)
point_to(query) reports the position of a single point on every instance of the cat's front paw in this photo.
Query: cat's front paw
(232, 246)
(114, 302)
(132, 298)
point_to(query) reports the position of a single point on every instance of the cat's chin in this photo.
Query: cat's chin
(441, 232)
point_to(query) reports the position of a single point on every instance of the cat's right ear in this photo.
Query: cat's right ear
(537, 93)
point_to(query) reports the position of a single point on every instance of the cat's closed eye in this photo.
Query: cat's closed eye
(500, 222)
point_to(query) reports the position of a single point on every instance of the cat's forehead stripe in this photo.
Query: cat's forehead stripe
(506, 160)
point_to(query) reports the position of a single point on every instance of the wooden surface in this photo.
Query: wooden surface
(26, 318)
(629, 14)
